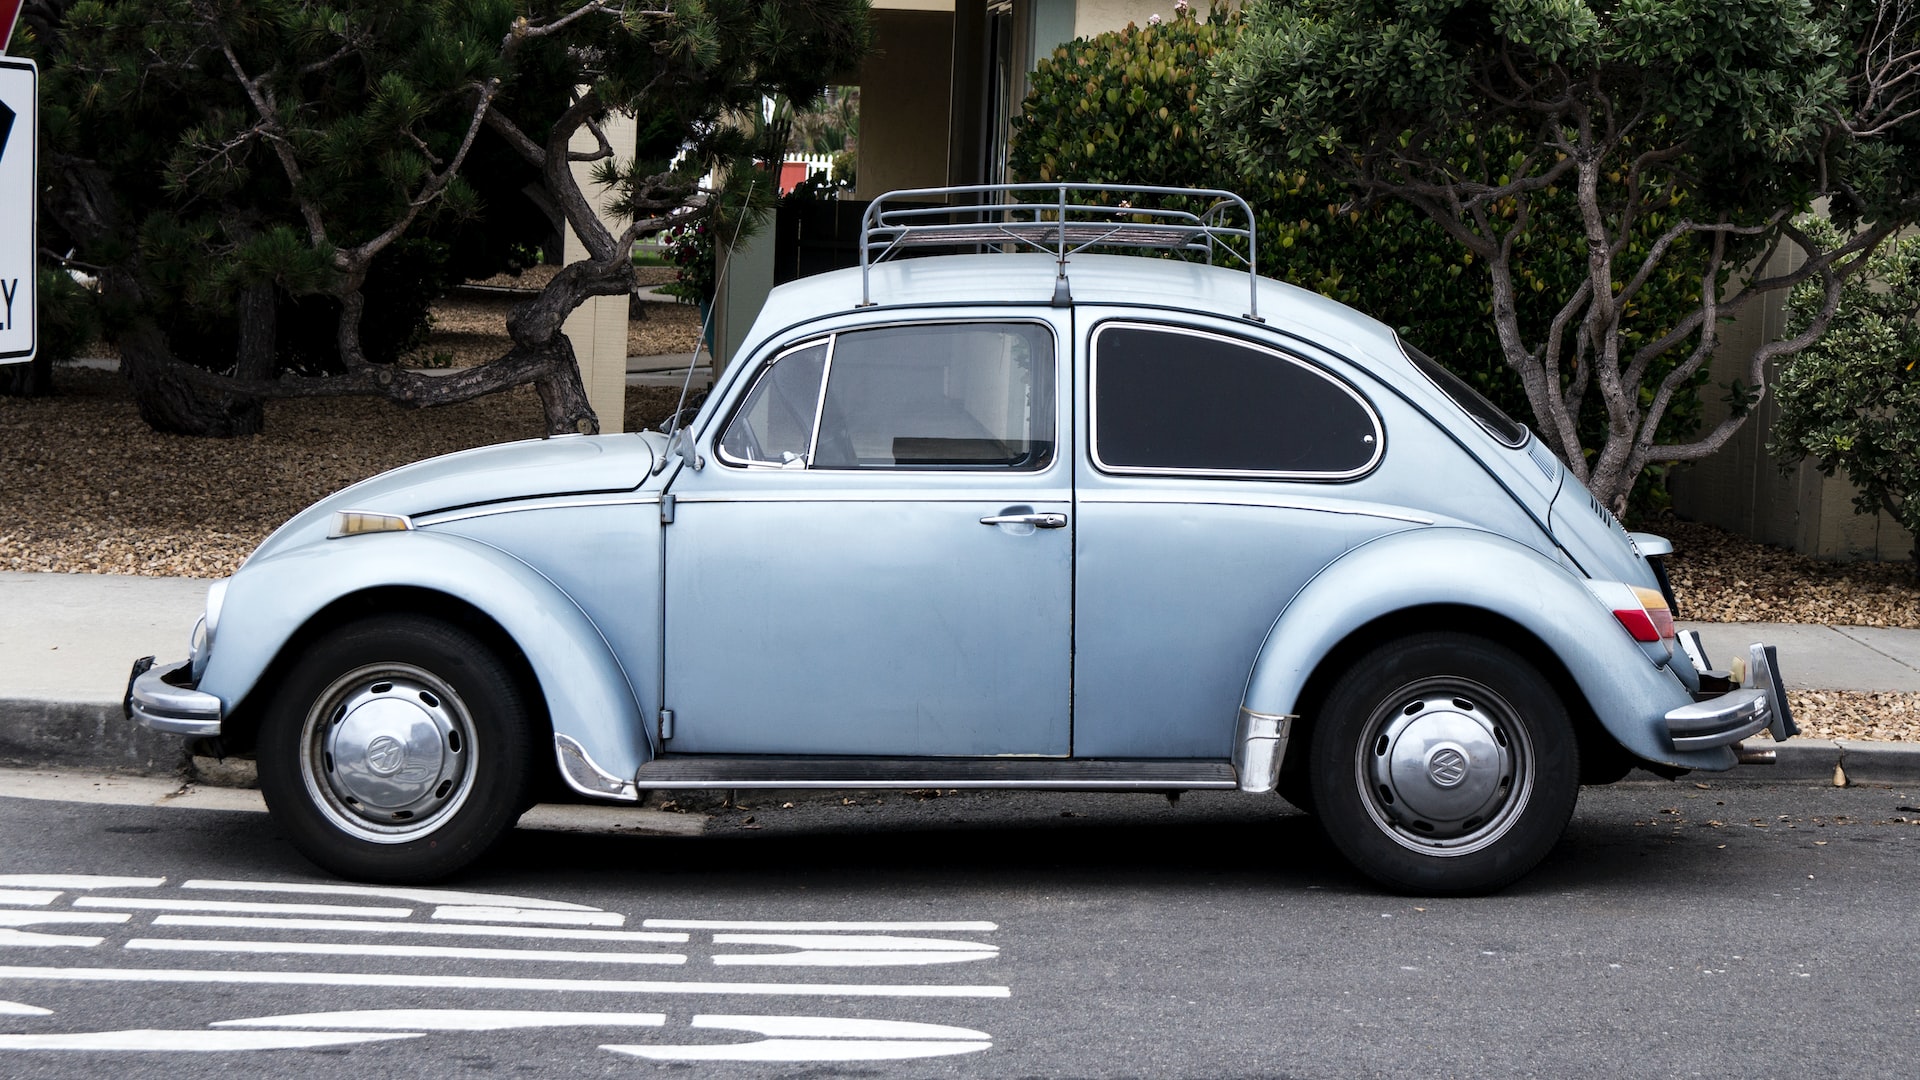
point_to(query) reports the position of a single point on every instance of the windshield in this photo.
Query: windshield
(1498, 424)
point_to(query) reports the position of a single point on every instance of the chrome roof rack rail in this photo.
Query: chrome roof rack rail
(1057, 226)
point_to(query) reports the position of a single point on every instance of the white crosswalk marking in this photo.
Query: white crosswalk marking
(449, 1020)
(504, 943)
(444, 952)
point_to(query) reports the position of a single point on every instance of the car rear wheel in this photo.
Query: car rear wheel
(1444, 764)
(399, 749)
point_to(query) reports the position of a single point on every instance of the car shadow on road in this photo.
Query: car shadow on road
(1040, 840)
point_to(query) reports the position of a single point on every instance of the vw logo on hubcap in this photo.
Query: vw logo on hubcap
(1447, 766)
(386, 755)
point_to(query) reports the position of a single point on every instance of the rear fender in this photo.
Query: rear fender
(600, 734)
(1461, 568)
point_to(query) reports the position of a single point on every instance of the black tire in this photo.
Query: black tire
(398, 750)
(1444, 764)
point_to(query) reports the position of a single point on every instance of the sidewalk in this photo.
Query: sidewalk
(68, 640)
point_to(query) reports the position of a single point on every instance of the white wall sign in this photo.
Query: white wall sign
(19, 146)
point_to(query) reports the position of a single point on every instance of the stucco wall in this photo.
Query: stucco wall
(904, 102)
(1099, 16)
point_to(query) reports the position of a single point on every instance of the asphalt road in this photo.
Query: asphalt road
(1680, 930)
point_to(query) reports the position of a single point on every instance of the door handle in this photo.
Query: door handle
(1038, 521)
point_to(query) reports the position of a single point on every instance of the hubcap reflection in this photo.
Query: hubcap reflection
(388, 752)
(1446, 767)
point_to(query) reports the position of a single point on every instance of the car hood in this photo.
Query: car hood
(565, 465)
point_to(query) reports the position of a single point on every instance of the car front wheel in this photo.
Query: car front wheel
(399, 749)
(1444, 764)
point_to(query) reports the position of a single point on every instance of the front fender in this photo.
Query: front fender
(1442, 566)
(588, 695)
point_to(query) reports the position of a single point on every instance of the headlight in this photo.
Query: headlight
(355, 522)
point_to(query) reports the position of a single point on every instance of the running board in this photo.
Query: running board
(690, 771)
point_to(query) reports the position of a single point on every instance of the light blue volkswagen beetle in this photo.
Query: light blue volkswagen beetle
(1037, 518)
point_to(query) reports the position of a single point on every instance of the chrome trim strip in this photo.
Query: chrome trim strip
(1720, 721)
(864, 784)
(1651, 545)
(1047, 496)
(1184, 499)
(563, 503)
(588, 778)
(1259, 747)
(173, 710)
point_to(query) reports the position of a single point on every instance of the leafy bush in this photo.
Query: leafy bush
(1127, 107)
(1851, 400)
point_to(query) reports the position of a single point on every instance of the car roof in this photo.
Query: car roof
(1119, 280)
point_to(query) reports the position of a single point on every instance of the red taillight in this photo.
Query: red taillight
(1640, 624)
(1651, 620)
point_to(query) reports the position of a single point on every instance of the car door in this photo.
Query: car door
(1220, 473)
(875, 557)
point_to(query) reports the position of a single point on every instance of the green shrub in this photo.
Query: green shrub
(1851, 400)
(1126, 107)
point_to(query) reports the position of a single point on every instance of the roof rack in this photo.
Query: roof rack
(1007, 216)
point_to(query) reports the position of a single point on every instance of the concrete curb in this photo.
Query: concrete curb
(37, 733)
(1815, 759)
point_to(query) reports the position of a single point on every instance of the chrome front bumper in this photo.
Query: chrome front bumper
(157, 700)
(1737, 714)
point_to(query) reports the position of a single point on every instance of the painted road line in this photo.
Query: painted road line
(237, 907)
(28, 939)
(386, 951)
(61, 918)
(797, 1050)
(584, 917)
(852, 941)
(29, 897)
(850, 958)
(14, 1008)
(819, 1038)
(78, 881)
(545, 933)
(469, 982)
(449, 1020)
(835, 1027)
(146, 1040)
(418, 896)
(849, 927)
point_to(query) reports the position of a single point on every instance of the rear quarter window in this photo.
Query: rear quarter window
(1175, 400)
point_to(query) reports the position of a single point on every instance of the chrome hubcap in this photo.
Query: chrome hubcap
(388, 752)
(1446, 767)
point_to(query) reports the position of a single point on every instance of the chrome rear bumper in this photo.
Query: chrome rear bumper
(1737, 714)
(157, 700)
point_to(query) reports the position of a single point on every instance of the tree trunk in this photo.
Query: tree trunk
(172, 404)
(257, 353)
(563, 398)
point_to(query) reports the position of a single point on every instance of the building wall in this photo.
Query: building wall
(1743, 490)
(598, 328)
(1099, 16)
(905, 99)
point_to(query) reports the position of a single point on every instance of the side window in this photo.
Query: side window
(774, 425)
(1167, 400)
(948, 395)
(931, 396)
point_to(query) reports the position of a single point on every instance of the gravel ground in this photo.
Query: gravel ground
(89, 489)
